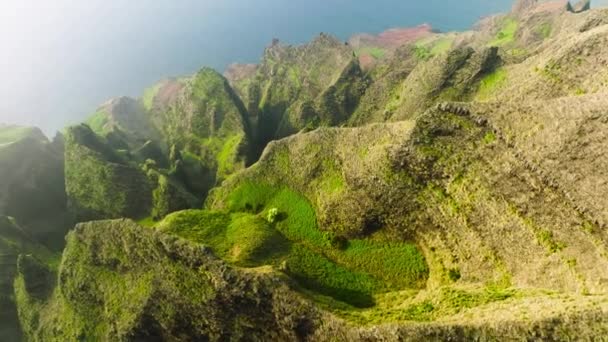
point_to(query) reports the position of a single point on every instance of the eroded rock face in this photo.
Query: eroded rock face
(15, 241)
(480, 151)
(176, 291)
(32, 184)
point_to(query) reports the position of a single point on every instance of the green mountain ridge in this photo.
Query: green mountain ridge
(453, 189)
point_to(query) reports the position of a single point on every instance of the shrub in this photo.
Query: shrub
(272, 215)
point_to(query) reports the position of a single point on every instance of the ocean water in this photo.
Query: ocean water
(62, 59)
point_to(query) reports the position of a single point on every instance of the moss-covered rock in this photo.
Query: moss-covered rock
(207, 123)
(32, 183)
(100, 183)
(176, 291)
(125, 115)
(15, 241)
(317, 84)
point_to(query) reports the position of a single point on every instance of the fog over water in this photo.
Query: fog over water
(60, 59)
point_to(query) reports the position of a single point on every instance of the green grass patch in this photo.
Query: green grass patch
(316, 272)
(490, 83)
(544, 30)
(243, 239)
(147, 222)
(149, 96)
(226, 158)
(425, 49)
(506, 35)
(98, 121)
(9, 134)
(422, 53)
(386, 265)
(420, 307)
(546, 238)
(373, 51)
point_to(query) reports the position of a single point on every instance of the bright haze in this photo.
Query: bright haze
(62, 58)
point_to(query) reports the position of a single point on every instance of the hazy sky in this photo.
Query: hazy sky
(62, 58)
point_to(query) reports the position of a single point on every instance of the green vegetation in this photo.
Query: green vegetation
(489, 138)
(99, 183)
(98, 122)
(546, 238)
(441, 45)
(316, 272)
(552, 71)
(424, 49)
(506, 35)
(9, 134)
(150, 95)
(243, 239)
(320, 261)
(544, 30)
(426, 307)
(422, 53)
(272, 215)
(490, 83)
(373, 51)
(227, 157)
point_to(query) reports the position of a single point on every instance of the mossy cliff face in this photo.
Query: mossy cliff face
(178, 290)
(32, 183)
(317, 84)
(175, 290)
(204, 119)
(441, 183)
(127, 116)
(13, 242)
(152, 157)
(466, 201)
(100, 183)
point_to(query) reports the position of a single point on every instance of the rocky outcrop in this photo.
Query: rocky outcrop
(317, 84)
(32, 183)
(100, 183)
(124, 117)
(14, 241)
(206, 121)
(176, 291)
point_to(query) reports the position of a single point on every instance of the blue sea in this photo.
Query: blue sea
(65, 58)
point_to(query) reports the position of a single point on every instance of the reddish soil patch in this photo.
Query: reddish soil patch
(168, 93)
(366, 61)
(237, 72)
(393, 38)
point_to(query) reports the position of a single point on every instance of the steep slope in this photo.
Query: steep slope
(180, 291)
(467, 199)
(124, 117)
(317, 84)
(176, 290)
(101, 183)
(14, 241)
(205, 121)
(32, 183)
(435, 173)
